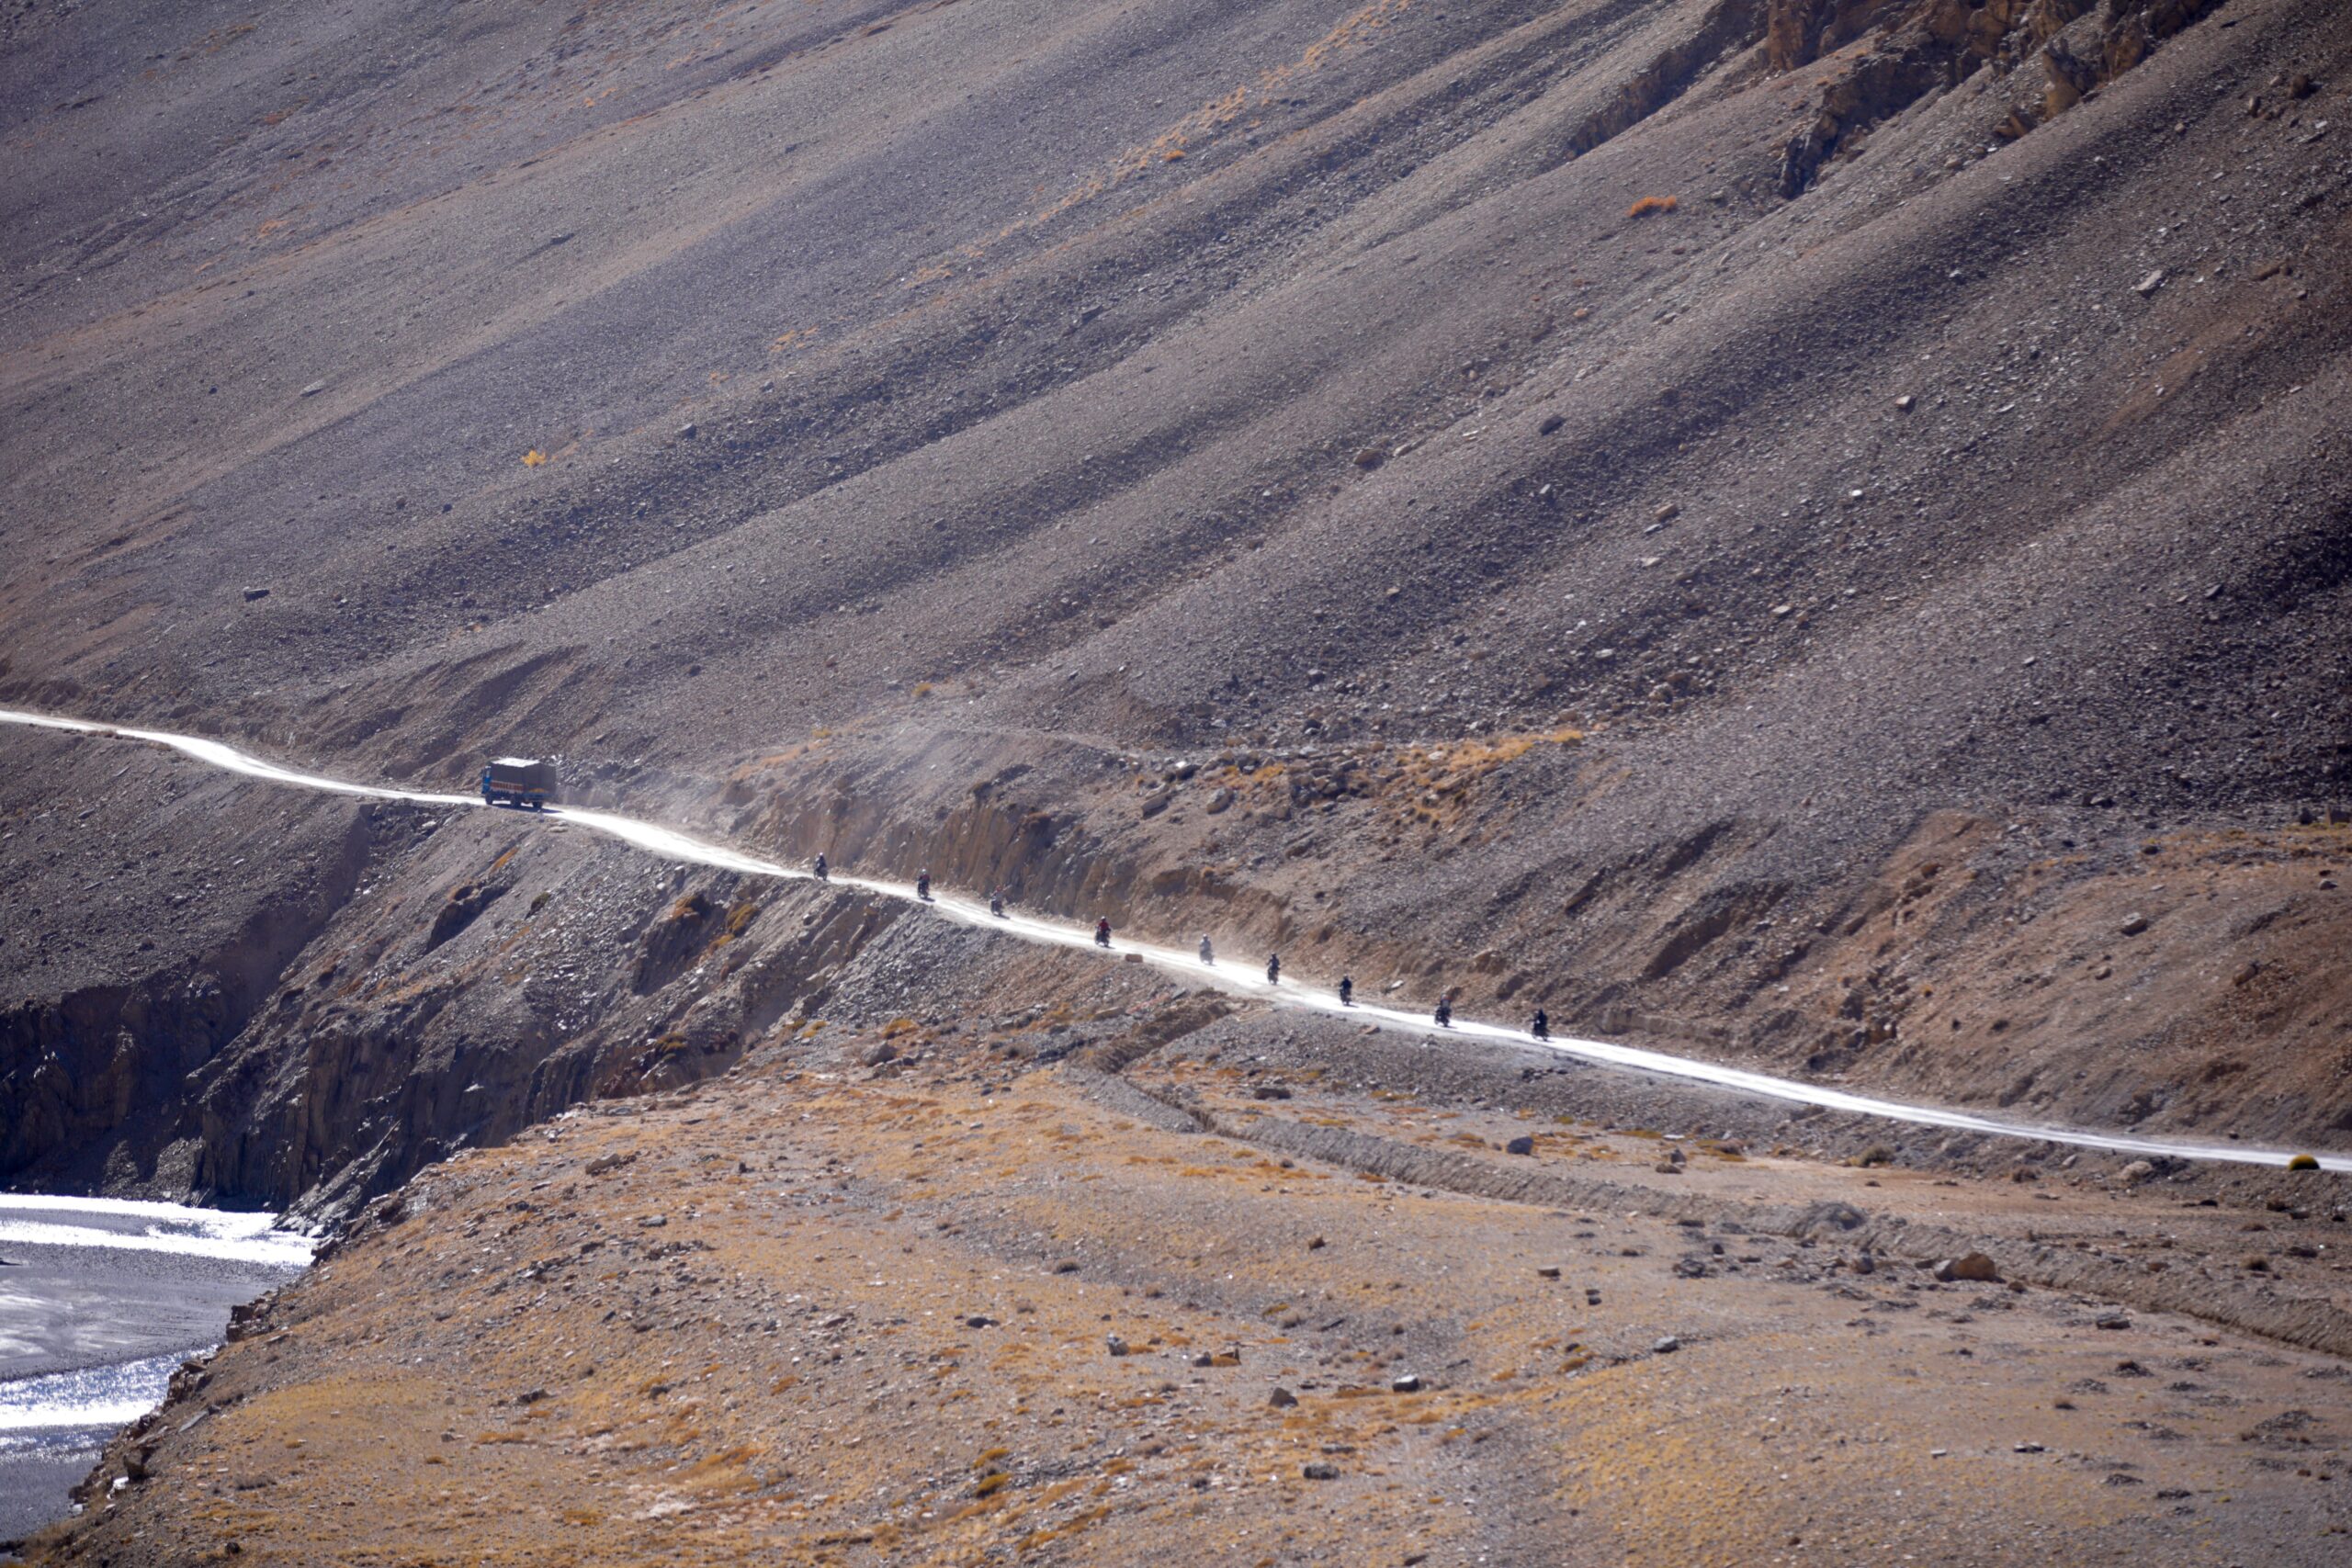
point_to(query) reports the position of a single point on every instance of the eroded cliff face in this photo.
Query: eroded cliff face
(151, 924)
(391, 982)
(1884, 57)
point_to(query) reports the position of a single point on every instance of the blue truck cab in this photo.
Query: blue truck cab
(525, 782)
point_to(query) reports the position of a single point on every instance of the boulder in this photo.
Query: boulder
(1829, 1215)
(1970, 1267)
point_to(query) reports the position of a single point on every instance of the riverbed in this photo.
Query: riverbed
(100, 1299)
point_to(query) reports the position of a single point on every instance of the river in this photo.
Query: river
(100, 1299)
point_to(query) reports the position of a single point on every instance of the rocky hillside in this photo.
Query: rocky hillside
(1819, 532)
(1273, 1294)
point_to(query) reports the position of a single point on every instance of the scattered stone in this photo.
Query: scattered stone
(881, 1051)
(1548, 1271)
(1519, 1146)
(1865, 1264)
(1066, 1265)
(2139, 1170)
(1552, 422)
(652, 1221)
(1666, 1168)
(254, 594)
(1972, 1267)
(1591, 1297)
(1666, 513)
(1404, 1382)
(1370, 458)
(1320, 1470)
(1281, 1399)
(2133, 924)
(687, 431)
(314, 388)
(1116, 1345)
(1667, 1346)
(1906, 403)
(2149, 284)
(2026, 1448)
(603, 1165)
(1224, 798)
(1317, 1245)
(980, 1320)
(2113, 1320)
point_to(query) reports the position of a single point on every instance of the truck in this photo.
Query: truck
(524, 782)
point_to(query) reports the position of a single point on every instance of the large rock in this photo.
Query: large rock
(1971, 1266)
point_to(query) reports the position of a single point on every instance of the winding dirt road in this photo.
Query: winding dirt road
(671, 844)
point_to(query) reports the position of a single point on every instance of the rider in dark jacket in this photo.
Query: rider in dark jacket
(1102, 933)
(1208, 953)
(922, 885)
(996, 903)
(1444, 1012)
(1274, 969)
(1346, 991)
(1541, 1027)
(819, 869)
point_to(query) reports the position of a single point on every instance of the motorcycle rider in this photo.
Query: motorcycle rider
(1102, 933)
(1541, 1027)
(1346, 991)
(1444, 1014)
(922, 885)
(1274, 969)
(1208, 953)
(817, 869)
(996, 902)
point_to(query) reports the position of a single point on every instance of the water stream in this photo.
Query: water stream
(100, 1299)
